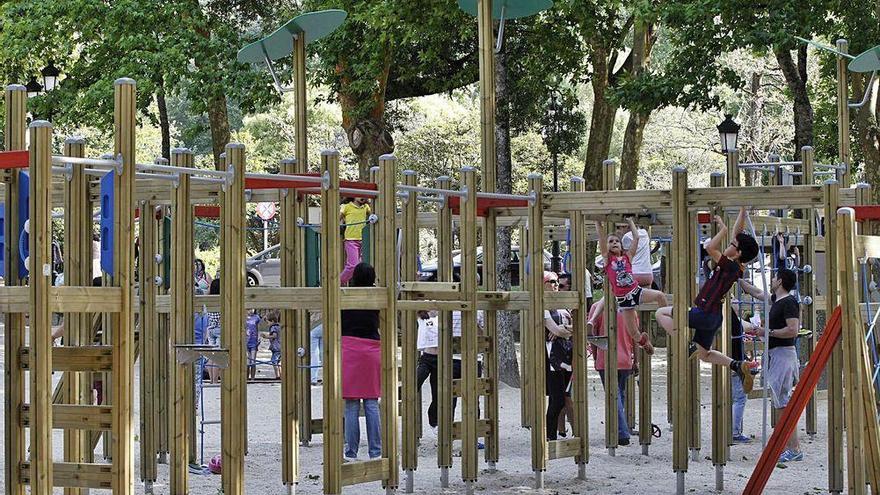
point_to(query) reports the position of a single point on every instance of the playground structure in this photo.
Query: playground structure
(167, 315)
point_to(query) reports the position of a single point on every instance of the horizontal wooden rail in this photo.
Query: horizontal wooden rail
(65, 299)
(75, 475)
(355, 473)
(560, 449)
(82, 358)
(75, 417)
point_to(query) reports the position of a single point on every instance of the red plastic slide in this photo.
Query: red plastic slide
(789, 420)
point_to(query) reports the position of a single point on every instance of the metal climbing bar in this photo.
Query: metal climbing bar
(92, 162)
(421, 197)
(284, 177)
(832, 166)
(154, 167)
(430, 190)
(517, 197)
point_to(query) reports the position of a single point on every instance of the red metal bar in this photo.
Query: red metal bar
(486, 204)
(867, 212)
(14, 159)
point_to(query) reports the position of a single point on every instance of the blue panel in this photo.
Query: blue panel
(24, 213)
(2, 241)
(108, 197)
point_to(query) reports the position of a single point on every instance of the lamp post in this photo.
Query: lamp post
(33, 88)
(728, 133)
(50, 75)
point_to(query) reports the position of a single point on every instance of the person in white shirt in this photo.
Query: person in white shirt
(429, 344)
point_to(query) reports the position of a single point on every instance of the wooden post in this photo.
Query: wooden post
(695, 421)
(527, 393)
(182, 324)
(148, 339)
(292, 255)
(646, 429)
(330, 268)
(77, 272)
(808, 285)
(14, 328)
(538, 357)
(445, 414)
(609, 182)
(843, 138)
(834, 368)
(678, 378)
(122, 323)
(39, 265)
(733, 168)
(386, 264)
(469, 342)
(579, 395)
(853, 337)
(721, 400)
(409, 251)
(232, 283)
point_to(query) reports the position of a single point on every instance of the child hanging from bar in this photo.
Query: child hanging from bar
(353, 215)
(705, 317)
(629, 294)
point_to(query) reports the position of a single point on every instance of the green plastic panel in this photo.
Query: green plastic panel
(867, 61)
(513, 9)
(313, 256)
(312, 25)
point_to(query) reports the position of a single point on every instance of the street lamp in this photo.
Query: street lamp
(33, 88)
(728, 131)
(50, 76)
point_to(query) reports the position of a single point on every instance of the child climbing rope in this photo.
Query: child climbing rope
(353, 215)
(705, 317)
(629, 294)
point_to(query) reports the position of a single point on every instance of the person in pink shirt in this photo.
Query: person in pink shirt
(622, 283)
(625, 359)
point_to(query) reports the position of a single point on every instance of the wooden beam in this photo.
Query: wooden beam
(834, 368)
(82, 358)
(609, 183)
(579, 285)
(678, 378)
(721, 415)
(469, 328)
(79, 475)
(537, 349)
(560, 449)
(75, 417)
(355, 473)
(444, 356)
(808, 285)
(412, 410)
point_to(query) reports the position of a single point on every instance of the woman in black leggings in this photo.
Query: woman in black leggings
(557, 331)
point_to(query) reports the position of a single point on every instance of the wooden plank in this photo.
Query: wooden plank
(64, 299)
(436, 305)
(77, 475)
(355, 473)
(75, 417)
(867, 246)
(483, 427)
(298, 298)
(484, 387)
(604, 203)
(756, 197)
(560, 449)
(429, 287)
(82, 358)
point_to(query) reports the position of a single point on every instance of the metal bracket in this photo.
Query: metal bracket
(500, 42)
(325, 180)
(281, 89)
(867, 96)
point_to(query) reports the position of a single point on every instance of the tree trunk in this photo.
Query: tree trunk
(601, 122)
(164, 124)
(796, 80)
(754, 108)
(508, 367)
(219, 120)
(867, 135)
(632, 150)
(369, 140)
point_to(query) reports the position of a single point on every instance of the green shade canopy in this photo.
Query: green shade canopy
(513, 9)
(867, 61)
(313, 25)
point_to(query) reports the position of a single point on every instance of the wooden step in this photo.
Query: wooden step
(75, 417)
(83, 358)
(75, 475)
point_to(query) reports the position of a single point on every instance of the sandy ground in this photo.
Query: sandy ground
(627, 472)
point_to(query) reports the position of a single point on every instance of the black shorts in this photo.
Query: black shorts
(705, 326)
(629, 301)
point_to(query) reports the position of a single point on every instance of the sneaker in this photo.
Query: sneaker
(623, 442)
(692, 350)
(645, 343)
(790, 456)
(741, 439)
(562, 434)
(480, 445)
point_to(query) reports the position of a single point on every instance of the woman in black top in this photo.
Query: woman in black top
(361, 369)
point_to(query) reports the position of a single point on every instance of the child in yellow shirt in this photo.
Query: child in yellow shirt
(353, 214)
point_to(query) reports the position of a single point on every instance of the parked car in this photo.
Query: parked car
(428, 271)
(264, 268)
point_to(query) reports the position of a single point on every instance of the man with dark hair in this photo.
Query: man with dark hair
(782, 360)
(705, 317)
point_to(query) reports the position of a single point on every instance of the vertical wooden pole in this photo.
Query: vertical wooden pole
(181, 324)
(681, 269)
(444, 357)
(808, 285)
(148, 340)
(834, 368)
(579, 395)
(77, 272)
(39, 282)
(470, 399)
(330, 268)
(409, 251)
(122, 323)
(733, 168)
(291, 362)
(537, 349)
(609, 182)
(695, 421)
(527, 393)
(490, 354)
(162, 369)
(721, 400)
(14, 378)
(386, 258)
(853, 336)
(646, 429)
(232, 283)
(843, 139)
